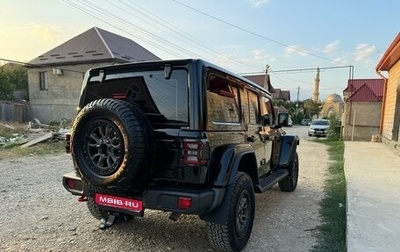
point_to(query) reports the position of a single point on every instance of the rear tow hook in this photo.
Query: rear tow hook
(113, 218)
(106, 223)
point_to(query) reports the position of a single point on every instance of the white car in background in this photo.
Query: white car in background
(319, 128)
(290, 122)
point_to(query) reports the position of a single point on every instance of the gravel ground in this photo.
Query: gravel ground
(39, 215)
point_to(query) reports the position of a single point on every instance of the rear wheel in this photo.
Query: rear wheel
(234, 235)
(95, 211)
(289, 183)
(112, 144)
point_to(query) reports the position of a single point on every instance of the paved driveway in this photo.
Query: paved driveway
(373, 197)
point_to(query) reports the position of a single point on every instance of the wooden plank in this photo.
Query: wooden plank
(7, 126)
(38, 140)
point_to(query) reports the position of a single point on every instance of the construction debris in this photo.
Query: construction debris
(38, 139)
(35, 132)
(7, 126)
(2, 140)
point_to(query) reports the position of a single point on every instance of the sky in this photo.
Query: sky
(293, 37)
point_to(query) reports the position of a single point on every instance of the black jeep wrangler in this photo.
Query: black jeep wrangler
(182, 136)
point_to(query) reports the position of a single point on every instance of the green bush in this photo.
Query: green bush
(334, 130)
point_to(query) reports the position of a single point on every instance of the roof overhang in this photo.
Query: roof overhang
(391, 56)
(55, 64)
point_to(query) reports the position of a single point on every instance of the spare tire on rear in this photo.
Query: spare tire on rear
(112, 144)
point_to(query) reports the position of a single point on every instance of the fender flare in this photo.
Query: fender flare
(225, 160)
(230, 157)
(288, 150)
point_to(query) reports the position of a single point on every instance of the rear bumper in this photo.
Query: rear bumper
(161, 198)
(318, 134)
(203, 201)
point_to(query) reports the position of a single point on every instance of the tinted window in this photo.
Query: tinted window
(254, 116)
(150, 90)
(170, 95)
(222, 101)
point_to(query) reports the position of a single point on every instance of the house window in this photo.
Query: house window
(43, 80)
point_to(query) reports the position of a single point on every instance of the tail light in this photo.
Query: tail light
(68, 143)
(73, 184)
(195, 152)
(184, 203)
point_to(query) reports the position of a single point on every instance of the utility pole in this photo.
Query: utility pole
(266, 78)
(297, 102)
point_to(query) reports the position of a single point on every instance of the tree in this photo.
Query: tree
(12, 77)
(18, 75)
(312, 108)
(6, 87)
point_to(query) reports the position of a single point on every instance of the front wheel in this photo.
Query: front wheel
(234, 235)
(289, 183)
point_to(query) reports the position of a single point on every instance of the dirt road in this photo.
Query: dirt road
(39, 215)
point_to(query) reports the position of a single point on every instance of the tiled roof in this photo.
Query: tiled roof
(260, 80)
(365, 90)
(95, 45)
(276, 92)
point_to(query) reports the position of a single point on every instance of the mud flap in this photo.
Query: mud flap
(219, 216)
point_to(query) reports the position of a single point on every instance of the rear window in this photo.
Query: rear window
(149, 89)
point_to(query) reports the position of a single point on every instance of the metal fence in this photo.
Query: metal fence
(11, 111)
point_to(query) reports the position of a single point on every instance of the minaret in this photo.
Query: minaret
(316, 87)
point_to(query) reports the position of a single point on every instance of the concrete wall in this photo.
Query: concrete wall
(366, 118)
(61, 98)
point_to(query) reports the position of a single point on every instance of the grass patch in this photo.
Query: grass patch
(332, 235)
(16, 151)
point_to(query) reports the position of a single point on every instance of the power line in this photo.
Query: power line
(256, 34)
(176, 30)
(106, 17)
(150, 38)
(309, 69)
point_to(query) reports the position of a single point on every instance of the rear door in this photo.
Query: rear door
(167, 109)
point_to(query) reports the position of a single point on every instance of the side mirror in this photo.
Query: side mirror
(265, 120)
